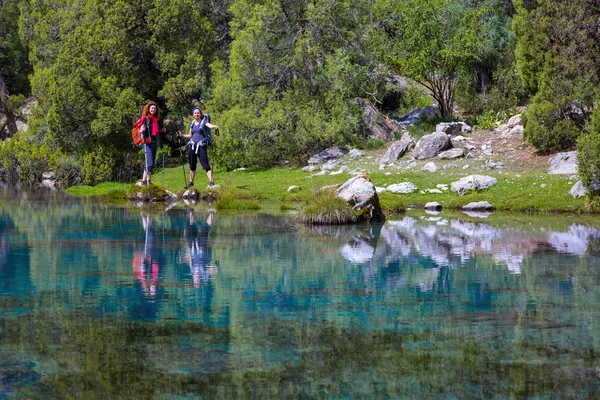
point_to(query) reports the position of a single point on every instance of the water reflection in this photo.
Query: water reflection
(454, 241)
(199, 254)
(252, 306)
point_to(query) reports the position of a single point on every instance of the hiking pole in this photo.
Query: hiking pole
(183, 167)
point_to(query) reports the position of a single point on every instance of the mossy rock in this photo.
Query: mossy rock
(150, 193)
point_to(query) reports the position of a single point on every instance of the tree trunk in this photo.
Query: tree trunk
(11, 123)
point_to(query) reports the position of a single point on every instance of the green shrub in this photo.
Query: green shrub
(98, 165)
(326, 209)
(24, 157)
(588, 159)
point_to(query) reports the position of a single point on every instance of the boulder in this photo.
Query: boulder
(452, 153)
(478, 206)
(578, 190)
(361, 195)
(453, 128)
(429, 167)
(354, 153)
(514, 121)
(431, 145)
(435, 206)
(564, 163)
(398, 148)
(376, 124)
(327, 154)
(402, 188)
(472, 182)
(517, 130)
(420, 114)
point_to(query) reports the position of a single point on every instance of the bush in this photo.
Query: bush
(98, 166)
(24, 157)
(546, 129)
(588, 159)
(325, 209)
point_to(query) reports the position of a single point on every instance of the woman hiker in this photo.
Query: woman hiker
(148, 126)
(197, 147)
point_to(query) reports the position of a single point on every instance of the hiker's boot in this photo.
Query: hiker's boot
(190, 184)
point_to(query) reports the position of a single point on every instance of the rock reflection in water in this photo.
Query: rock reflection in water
(453, 242)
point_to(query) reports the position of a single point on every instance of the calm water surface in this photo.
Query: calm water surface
(100, 301)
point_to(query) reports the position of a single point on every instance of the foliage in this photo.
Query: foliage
(432, 41)
(588, 159)
(94, 62)
(24, 156)
(98, 166)
(294, 71)
(324, 208)
(13, 67)
(558, 60)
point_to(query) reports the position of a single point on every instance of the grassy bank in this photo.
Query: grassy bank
(530, 191)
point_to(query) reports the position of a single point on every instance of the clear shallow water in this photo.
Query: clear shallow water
(100, 301)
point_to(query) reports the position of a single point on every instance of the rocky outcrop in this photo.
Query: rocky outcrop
(420, 114)
(377, 125)
(453, 128)
(402, 188)
(431, 145)
(361, 195)
(456, 152)
(472, 182)
(327, 154)
(564, 163)
(398, 148)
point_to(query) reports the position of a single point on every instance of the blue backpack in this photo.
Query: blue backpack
(207, 133)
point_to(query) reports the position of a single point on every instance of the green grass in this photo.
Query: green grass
(323, 208)
(248, 188)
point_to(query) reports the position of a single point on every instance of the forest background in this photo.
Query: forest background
(282, 78)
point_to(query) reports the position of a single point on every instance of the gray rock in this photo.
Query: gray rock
(420, 114)
(472, 182)
(355, 153)
(451, 165)
(478, 206)
(360, 194)
(517, 130)
(330, 165)
(453, 128)
(293, 189)
(514, 121)
(398, 148)
(451, 154)
(402, 188)
(310, 168)
(494, 165)
(564, 163)
(431, 145)
(327, 154)
(429, 167)
(433, 206)
(376, 124)
(578, 190)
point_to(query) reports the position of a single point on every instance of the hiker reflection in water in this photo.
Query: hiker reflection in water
(146, 263)
(200, 253)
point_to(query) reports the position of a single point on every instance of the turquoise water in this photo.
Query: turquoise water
(104, 301)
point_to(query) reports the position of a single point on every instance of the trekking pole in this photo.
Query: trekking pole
(183, 167)
(163, 163)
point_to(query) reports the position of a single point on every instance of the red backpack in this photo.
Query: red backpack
(138, 137)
